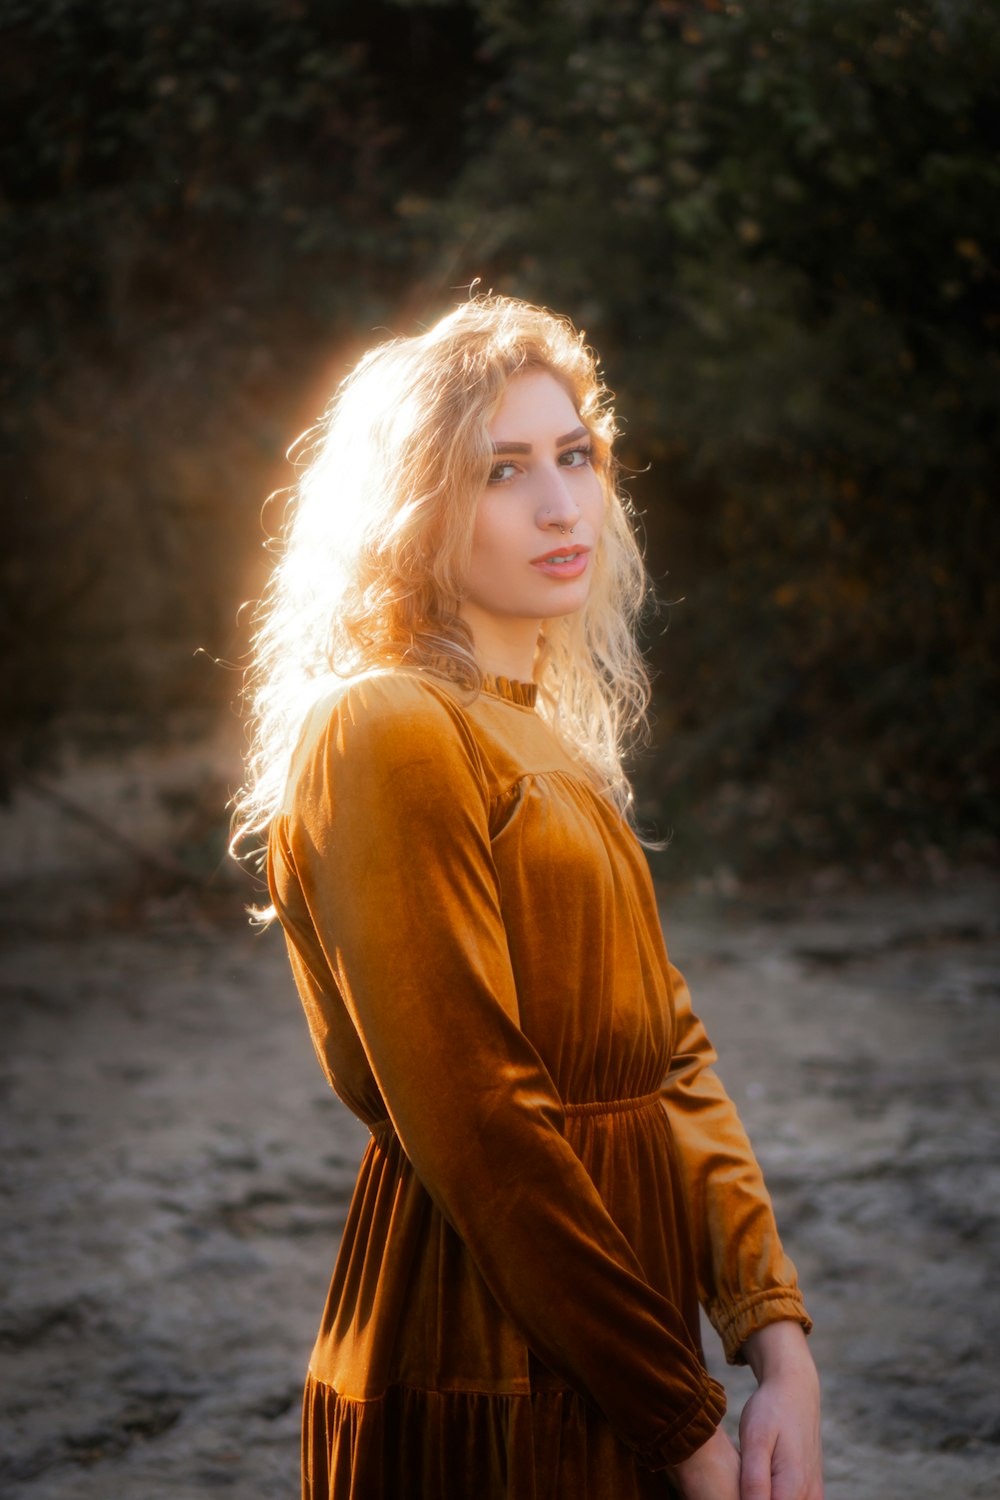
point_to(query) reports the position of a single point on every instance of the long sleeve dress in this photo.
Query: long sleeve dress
(555, 1177)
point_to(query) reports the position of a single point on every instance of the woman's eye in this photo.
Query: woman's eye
(576, 458)
(502, 472)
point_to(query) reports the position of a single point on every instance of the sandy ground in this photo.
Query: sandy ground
(175, 1175)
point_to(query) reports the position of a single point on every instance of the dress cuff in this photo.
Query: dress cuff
(736, 1322)
(687, 1434)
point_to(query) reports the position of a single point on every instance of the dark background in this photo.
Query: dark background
(777, 222)
(779, 225)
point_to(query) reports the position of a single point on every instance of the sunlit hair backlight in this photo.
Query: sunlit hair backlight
(378, 534)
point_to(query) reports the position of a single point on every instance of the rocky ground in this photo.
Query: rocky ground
(175, 1174)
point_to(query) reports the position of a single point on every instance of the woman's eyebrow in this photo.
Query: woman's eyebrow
(570, 437)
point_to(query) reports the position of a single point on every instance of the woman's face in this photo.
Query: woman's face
(539, 519)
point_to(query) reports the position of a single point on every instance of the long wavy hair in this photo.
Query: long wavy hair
(378, 535)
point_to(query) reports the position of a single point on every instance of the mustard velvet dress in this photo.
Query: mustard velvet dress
(555, 1176)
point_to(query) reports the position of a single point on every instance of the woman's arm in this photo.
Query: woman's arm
(780, 1455)
(746, 1280)
(779, 1429)
(389, 840)
(748, 1284)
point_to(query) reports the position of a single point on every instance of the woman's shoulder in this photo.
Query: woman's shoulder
(384, 749)
(383, 697)
(386, 716)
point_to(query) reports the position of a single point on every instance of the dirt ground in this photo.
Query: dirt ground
(176, 1173)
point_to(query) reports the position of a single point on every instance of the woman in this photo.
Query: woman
(446, 676)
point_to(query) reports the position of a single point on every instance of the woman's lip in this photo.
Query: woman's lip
(560, 552)
(571, 569)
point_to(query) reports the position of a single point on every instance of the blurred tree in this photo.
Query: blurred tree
(778, 223)
(201, 204)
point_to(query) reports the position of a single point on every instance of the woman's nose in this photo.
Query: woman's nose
(557, 504)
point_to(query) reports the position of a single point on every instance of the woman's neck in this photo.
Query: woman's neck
(503, 647)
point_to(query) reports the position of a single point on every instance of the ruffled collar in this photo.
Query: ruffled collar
(523, 693)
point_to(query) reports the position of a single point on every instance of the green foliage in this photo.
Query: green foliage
(144, 132)
(201, 203)
(778, 223)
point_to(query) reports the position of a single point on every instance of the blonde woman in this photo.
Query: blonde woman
(446, 681)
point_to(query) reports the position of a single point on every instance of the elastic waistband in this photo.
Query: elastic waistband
(613, 1106)
(382, 1128)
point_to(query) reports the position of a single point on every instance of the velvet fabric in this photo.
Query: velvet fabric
(555, 1175)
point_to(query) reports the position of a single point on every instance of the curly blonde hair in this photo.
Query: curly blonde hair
(379, 532)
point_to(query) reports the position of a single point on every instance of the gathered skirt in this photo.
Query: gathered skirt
(429, 1445)
(390, 1409)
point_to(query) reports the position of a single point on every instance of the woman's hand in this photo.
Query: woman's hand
(711, 1473)
(780, 1452)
